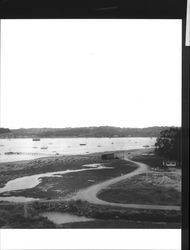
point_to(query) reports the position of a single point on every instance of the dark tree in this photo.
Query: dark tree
(4, 130)
(168, 144)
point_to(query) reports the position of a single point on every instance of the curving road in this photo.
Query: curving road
(90, 194)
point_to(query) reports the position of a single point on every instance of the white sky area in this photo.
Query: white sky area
(73, 73)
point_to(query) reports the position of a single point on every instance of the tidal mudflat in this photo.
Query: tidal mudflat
(58, 177)
(54, 186)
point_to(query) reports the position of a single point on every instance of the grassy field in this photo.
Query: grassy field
(12, 216)
(145, 189)
(155, 188)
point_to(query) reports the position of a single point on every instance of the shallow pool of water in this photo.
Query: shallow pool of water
(63, 218)
(32, 181)
(18, 199)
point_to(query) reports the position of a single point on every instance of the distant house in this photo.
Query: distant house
(170, 163)
(109, 156)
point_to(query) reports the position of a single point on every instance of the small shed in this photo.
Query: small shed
(109, 156)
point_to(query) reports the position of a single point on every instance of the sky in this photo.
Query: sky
(79, 73)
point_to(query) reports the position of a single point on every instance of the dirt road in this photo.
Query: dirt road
(90, 194)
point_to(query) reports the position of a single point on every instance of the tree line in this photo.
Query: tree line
(102, 131)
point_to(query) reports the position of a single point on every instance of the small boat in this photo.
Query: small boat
(12, 153)
(9, 153)
(44, 147)
(82, 144)
(146, 146)
(36, 139)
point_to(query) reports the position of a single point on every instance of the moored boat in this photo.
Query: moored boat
(36, 139)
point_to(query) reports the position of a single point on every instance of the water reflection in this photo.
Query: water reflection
(62, 218)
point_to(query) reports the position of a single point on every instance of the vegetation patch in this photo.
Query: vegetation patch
(70, 183)
(151, 188)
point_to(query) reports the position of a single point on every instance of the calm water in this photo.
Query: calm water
(62, 218)
(32, 181)
(26, 149)
(18, 199)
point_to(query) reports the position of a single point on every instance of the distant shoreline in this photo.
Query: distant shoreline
(89, 132)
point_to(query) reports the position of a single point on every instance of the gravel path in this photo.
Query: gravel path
(90, 194)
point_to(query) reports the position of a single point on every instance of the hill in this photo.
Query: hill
(103, 131)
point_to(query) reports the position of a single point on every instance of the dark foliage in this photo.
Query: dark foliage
(168, 144)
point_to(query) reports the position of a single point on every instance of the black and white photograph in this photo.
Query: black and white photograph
(90, 124)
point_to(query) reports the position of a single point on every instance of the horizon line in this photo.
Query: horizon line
(92, 127)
